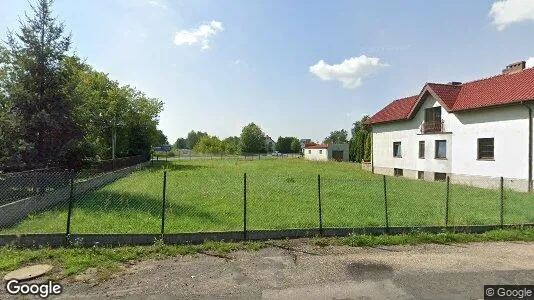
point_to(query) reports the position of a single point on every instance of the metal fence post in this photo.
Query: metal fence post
(320, 207)
(71, 200)
(245, 206)
(163, 204)
(386, 204)
(502, 203)
(447, 203)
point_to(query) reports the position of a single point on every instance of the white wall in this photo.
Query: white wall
(270, 144)
(507, 125)
(408, 133)
(509, 128)
(316, 154)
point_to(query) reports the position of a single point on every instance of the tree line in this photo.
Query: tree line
(251, 140)
(55, 109)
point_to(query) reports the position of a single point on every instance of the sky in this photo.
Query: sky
(296, 68)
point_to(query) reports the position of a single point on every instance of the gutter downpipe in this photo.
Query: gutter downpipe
(372, 152)
(530, 132)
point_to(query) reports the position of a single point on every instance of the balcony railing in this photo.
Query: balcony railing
(432, 126)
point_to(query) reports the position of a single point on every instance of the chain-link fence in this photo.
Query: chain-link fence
(352, 202)
(213, 203)
(281, 201)
(187, 198)
(26, 194)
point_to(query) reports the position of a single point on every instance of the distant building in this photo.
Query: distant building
(269, 144)
(338, 152)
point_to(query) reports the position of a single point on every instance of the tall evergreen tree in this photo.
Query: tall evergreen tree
(368, 147)
(36, 84)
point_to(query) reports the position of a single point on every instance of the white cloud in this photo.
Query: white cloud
(199, 35)
(158, 3)
(506, 12)
(530, 62)
(350, 72)
(143, 34)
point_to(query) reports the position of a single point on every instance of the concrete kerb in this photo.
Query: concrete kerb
(114, 240)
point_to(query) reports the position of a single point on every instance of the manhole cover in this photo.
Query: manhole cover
(28, 273)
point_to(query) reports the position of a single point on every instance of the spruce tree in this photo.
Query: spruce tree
(36, 84)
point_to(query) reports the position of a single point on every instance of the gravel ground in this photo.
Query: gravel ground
(297, 270)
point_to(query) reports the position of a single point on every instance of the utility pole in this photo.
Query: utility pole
(113, 140)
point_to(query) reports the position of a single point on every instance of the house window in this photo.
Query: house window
(397, 151)
(421, 149)
(433, 114)
(398, 172)
(433, 122)
(441, 149)
(320, 151)
(309, 151)
(486, 149)
(420, 175)
(440, 176)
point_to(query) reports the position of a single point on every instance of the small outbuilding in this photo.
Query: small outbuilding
(338, 152)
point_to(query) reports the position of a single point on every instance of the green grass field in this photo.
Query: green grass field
(207, 195)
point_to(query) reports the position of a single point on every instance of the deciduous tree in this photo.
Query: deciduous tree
(180, 143)
(337, 137)
(193, 137)
(252, 139)
(295, 146)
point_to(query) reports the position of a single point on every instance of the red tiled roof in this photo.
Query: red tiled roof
(446, 92)
(493, 91)
(395, 111)
(316, 146)
(498, 90)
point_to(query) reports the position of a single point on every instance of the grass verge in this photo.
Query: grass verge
(526, 235)
(72, 261)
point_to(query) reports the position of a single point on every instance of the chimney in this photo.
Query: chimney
(514, 68)
(455, 83)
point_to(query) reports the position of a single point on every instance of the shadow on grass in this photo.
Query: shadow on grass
(112, 212)
(110, 202)
(159, 166)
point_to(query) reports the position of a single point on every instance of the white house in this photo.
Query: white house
(474, 132)
(339, 152)
(270, 145)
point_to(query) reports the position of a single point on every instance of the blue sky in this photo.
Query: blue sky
(219, 65)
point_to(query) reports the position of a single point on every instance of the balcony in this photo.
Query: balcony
(434, 126)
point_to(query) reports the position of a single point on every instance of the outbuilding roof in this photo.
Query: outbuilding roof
(316, 146)
(494, 91)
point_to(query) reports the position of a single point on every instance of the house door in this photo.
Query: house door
(337, 155)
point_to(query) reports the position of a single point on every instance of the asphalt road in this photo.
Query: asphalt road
(300, 271)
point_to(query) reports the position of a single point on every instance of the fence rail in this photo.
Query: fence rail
(244, 205)
(243, 156)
